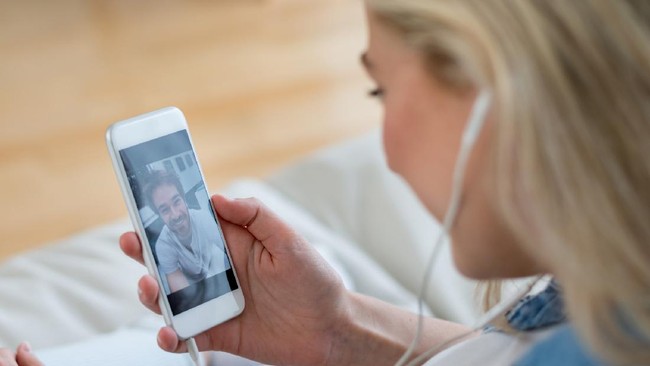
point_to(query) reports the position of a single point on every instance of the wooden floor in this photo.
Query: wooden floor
(262, 83)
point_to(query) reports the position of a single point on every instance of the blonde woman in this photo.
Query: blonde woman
(558, 183)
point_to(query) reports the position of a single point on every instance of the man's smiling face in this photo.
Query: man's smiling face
(171, 207)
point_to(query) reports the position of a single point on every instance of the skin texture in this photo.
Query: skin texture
(297, 311)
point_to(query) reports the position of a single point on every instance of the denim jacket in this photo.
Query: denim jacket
(562, 347)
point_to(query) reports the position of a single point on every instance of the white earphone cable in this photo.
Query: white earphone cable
(193, 350)
(486, 319)
(471, 133)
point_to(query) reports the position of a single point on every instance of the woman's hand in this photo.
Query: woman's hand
(22, 357)
(295, 302)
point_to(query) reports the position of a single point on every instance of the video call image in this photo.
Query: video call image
(180, 226)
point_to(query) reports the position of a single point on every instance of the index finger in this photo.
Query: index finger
(130, 245)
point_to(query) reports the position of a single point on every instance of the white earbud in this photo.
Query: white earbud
(477, 118)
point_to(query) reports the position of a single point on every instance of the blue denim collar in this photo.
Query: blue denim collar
(538, 311)
(543, 310)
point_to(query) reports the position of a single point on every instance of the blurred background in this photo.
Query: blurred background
(262, 83)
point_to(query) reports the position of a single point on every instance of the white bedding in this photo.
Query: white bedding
(360, 216)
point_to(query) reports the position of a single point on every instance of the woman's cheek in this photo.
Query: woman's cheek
(395, 140)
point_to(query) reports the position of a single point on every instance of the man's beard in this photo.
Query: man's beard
(180, 226)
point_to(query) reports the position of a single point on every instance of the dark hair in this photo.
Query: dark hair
(157, 178)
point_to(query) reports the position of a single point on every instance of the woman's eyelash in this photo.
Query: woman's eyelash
(376, 93)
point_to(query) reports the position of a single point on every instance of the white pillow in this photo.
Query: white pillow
(69, 290)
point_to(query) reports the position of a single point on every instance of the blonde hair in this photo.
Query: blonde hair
(571, 84)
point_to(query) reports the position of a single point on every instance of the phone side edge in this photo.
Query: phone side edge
(127, 197)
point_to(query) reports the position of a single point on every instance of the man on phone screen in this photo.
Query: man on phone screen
(189, 248)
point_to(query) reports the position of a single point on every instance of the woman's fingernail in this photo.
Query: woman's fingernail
(27, 347)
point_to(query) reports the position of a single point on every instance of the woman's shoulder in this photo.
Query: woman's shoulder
(557, 345)
(543, 336)
(491, 349)
(562, 347)
(543, 310)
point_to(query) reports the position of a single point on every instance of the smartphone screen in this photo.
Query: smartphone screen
(181, 227)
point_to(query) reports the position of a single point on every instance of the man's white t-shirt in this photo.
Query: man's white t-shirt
(204, 258)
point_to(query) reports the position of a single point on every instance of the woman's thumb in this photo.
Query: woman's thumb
(258, 219)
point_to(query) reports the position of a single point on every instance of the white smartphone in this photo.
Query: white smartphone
(182, 242)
